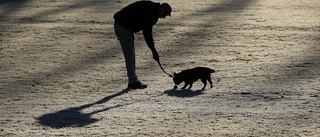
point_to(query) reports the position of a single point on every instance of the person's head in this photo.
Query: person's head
(164, 10)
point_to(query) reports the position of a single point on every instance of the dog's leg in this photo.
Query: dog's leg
(190, 85)
(210, 81)
(185, 85)
(204, 81)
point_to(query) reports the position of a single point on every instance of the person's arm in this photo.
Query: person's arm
(147, 34)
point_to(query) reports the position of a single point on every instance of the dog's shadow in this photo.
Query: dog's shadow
(183, 93)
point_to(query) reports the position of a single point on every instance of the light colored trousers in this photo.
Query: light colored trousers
(126, 38)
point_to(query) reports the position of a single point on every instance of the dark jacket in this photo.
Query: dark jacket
(141, 15)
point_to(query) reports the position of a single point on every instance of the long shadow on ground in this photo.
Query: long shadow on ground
(73, 117)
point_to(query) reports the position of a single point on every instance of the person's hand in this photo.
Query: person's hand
(155, 56)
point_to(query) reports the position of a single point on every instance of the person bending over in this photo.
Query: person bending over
(141, 15)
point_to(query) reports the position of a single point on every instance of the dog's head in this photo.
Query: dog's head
(177, 78)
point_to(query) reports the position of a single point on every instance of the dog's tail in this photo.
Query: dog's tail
(211, 70)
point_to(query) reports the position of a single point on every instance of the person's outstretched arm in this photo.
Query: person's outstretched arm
(147, 33)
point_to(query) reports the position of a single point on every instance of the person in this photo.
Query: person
(140, 15)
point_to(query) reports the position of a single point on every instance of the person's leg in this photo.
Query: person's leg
(126, 39)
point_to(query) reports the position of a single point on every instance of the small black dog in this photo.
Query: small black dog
(190, 76)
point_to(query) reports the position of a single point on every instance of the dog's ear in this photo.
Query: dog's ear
(174, 73)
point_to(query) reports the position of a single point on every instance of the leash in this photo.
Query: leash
(170, 75)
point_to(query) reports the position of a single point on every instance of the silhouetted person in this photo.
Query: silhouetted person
(141, 15)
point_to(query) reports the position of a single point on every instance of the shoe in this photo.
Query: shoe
(137, 85)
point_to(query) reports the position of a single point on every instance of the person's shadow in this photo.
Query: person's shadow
(182, 93)
(73, 117)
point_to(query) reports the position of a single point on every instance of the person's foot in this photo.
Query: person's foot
(137, 85)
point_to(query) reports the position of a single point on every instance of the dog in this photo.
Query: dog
(190, 76)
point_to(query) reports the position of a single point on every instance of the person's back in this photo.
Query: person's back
(138, 16)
